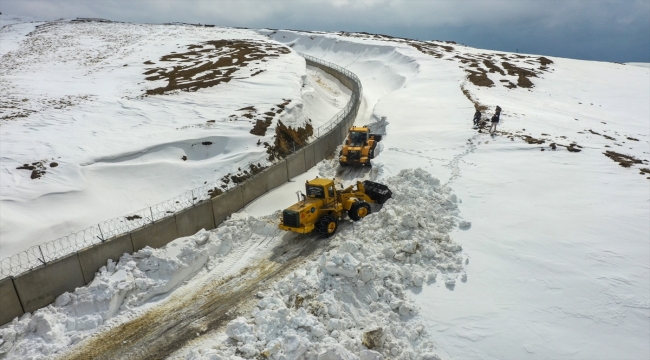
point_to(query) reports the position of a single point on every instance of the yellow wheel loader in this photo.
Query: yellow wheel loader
(323, 206)
(359, 147)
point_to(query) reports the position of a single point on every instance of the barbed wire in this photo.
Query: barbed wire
(52, 250)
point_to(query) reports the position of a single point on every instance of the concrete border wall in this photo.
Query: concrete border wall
(191, 220)
(296, 164)
(310, 161)
(40, 286)
(11, 307)
(155, 235)
(227, 203)
(254, 188)
(93, 258)
(276, 175)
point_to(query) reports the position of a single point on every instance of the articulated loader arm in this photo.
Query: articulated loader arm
(369, 191)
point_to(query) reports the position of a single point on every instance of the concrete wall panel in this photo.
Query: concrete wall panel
(310, 161)
(11, 307)
(41, 286)
(94, 257)
(191, 220)
(332, 142)
(156, 235)
(296, 164)
(276, 175)
(253, 188)
(226, 204)
(320, 148)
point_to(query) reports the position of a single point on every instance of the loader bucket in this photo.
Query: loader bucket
(377, 192)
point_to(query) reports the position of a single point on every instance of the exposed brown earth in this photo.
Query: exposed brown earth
(622, 159)
(493, 68)
(479, 78)
(237, 178)
(209, 64)
(603, 135)
(261, 125)
(287, 140)
(185, 316)
(477, 105)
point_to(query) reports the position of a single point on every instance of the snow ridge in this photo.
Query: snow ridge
(352, 302)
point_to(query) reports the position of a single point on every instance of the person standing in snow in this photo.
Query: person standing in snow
(495, 119)
(477, 117)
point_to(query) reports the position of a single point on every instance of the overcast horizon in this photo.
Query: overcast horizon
(581, 29)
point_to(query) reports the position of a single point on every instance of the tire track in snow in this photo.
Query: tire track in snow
(168, 327)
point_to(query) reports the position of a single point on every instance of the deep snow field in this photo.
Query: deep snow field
(529, 244)
(91, 147)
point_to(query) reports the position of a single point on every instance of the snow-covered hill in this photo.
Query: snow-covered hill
(96, 125)
(531, 243)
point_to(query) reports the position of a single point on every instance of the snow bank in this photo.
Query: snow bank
(124, 286)
(352, 302)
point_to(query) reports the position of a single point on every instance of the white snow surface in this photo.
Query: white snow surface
(80, 86)
(555, 259)
(324, 307)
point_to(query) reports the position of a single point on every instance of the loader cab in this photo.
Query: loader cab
(321, 189)
(358, 136)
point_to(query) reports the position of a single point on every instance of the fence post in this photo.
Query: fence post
(101, 237)
(343, 114)
(43, 256)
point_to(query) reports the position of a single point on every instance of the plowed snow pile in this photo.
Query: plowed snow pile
(352, 301)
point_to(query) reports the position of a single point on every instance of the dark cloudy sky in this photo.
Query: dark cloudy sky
(604, 30)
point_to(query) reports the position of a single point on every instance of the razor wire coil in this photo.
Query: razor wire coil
(52, 250)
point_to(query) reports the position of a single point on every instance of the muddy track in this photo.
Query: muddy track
(185, 317)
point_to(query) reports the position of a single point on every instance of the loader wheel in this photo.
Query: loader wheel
(359, 210)
(326, 226)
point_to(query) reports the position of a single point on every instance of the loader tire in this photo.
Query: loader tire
(359, 210)
(326, 226)
(371, 153)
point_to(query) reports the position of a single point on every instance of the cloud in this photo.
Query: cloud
(568, 22)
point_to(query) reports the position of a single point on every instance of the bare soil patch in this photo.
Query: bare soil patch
(479, 78)
(262, 123)
(209, 64)
(260, 127)
(622, 159)
(493, 68)
(532, 140)
(288, 140)
(603, 135)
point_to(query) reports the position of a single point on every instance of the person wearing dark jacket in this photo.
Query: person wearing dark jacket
(495, 119)
(477, 117)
